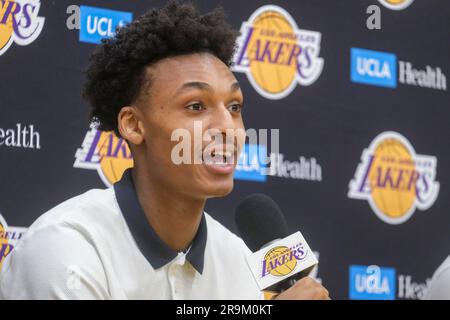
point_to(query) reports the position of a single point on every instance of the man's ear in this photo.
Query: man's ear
(130, 125)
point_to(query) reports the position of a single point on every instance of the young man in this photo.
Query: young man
(148, 236)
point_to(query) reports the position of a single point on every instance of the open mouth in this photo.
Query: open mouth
(220, 158)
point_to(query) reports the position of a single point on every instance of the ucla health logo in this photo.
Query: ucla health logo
(97, 23)
(373, 67)
(255, 164)
(394, 179)
(19, 23)
(381, 69)
(252, 163)
(275, 54)
(106, 153)
(372, 283)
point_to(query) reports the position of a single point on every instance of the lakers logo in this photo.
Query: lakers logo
(396, 4)
(394, 179)
(106, 153)
(19, 22)
(8, 238)
(281, 261)
(4, 246)
(275, 54)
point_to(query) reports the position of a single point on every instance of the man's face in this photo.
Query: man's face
(188, 89)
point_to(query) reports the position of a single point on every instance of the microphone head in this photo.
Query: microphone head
(259, 221)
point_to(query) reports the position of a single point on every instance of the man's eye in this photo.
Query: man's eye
(195, 107)
(235, 107)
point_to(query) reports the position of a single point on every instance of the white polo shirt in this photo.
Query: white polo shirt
(99, 245)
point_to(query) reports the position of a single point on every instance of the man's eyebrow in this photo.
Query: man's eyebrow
(203, 86)
(235, 86)
(194, 85)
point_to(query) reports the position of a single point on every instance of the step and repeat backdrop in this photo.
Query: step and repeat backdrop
(357, 88)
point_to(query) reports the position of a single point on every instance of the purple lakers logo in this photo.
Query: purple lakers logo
(394, 179)
(275, 54)
(8, 238)
(19, 22)
(106, 153)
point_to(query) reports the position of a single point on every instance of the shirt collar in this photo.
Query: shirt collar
(152, 247)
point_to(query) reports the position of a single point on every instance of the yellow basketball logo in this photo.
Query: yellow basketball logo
(106, 153)
(6, 28)
(394, 179)
(396, 4)
(275, 54)
(280, 261)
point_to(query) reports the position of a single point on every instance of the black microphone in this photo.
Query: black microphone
(264, 229)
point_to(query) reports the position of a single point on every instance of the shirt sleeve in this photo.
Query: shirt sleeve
(53, 262)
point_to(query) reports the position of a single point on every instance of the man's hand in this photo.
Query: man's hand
(305, 289)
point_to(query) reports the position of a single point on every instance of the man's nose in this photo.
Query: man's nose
(222, 119)
(222, 123)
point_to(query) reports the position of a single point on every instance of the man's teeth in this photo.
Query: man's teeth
(220, 157)
(221, 153)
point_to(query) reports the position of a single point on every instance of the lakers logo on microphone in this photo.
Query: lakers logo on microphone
(19, 23)
(394, 179)
(280, 260)
(106, 153)
(275, 54)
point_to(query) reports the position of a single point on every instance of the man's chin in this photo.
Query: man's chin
(220, 190)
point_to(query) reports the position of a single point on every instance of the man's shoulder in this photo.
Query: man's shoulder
(92, 205)
(65, 237)
(90, 214)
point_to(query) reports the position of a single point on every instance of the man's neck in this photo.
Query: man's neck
(174, 216)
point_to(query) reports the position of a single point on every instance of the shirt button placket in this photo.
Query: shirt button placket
(175, 281)
(172, 280)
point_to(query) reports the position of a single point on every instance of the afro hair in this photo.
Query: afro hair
(116, 72)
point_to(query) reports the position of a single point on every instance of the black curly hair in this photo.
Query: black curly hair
(116, 74)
